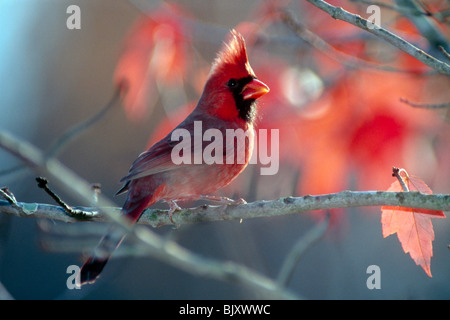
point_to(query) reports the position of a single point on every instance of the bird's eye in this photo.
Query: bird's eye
(232, 83)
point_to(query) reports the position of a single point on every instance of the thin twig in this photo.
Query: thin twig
(425, 105)
(9, 197)
(77, 213)
(4, 294)
(446, 54)
(408, 11)
(71, 134)
(18, 209)
(402, 10)
(82, 127)
(299, 249)
(380, 32)
(424, 25)
(396, 173)
(320, 44)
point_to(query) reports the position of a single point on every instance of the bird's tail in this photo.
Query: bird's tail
(94, 265)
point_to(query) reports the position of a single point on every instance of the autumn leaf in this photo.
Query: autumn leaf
(413, 226)
(155, 54)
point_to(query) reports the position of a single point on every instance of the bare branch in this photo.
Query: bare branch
(408, 11)
(424, 24)
(8, 196)
(396, 173)
(81, 189)
(320, 44)
(43, 184)
(72, 133)
(257, 209)
(300, 248)
(75, 131)
(356, 20)
(446, 54)
(4, 294)
(425, 105)
(164, 250)
(171, 253)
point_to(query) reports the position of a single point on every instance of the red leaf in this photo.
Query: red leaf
(155, 54)
(413, 226)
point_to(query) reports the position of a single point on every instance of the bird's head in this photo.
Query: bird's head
(232, 88)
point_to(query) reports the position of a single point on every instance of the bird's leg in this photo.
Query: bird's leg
(172, 208)
(219, 199)
(223, 200)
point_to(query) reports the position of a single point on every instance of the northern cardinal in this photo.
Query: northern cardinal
(228, 101)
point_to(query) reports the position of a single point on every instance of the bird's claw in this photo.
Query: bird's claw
(240, 201)
(223, 200)
(173, 206)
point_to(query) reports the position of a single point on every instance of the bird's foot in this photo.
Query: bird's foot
(173, 206)
(223, 200)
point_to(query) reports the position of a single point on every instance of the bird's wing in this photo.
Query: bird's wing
(158, 158)
(155, 160)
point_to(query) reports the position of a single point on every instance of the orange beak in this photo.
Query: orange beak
(254, 89)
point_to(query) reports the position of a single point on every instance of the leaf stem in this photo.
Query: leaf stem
(396, 172)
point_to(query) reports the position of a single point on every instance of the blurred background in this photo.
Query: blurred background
(342, 126)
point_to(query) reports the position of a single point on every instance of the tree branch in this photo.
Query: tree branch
(257, 209)
(172, 253)
(164, 250)
(4, 294)
(320, 44)
(425, 105)
(300, 248)
(356, 20)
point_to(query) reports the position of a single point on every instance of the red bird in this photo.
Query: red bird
(228, 101)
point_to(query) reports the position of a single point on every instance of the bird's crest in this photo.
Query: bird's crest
(233, 57)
